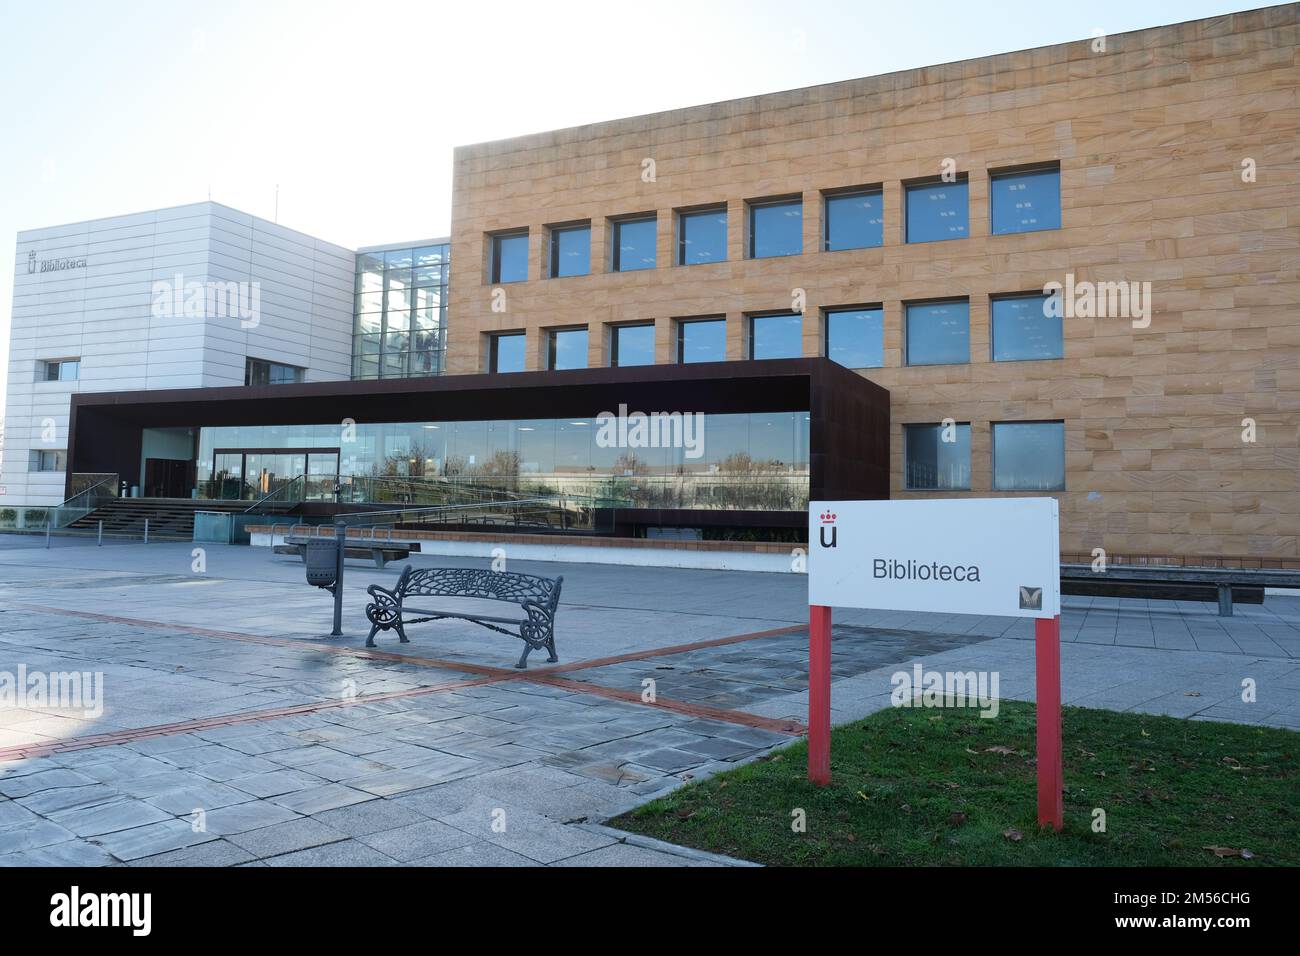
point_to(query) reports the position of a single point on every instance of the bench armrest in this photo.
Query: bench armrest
(386, 608)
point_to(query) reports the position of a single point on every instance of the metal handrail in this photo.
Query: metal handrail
(86, 491)
(288, 484)
(572, 511)
(477, 488)
(86, 508)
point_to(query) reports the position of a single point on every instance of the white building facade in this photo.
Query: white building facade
(192, 296)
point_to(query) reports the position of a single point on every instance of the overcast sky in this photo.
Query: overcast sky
(353, 108)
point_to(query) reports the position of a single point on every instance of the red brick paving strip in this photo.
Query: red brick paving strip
(549, 676)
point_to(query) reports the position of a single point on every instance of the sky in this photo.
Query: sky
(351, 110)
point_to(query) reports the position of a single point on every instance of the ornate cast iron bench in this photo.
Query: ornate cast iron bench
(538, 597)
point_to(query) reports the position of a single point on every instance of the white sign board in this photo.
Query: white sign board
(998, 556)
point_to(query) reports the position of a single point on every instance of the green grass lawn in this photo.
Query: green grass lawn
(921, 786)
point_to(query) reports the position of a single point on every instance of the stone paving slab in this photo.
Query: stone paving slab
(476, 764)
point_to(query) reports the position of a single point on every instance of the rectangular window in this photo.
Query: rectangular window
(1029, 456)
(856, 337)
(634, 244)
(855, 220)
(701, 340)
(938, 333)
(1025, 201)
(507, 352)
(938, 457)
(568, 349)
(58, 370)
(776, 336)
(571, 251)
(702, 236)
(43, 460)
(632, 345)
(509, 257)
(937, 211)
(262, 372)
(1023, 331)
(775, 228)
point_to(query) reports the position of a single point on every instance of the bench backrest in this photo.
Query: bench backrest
(477, 583)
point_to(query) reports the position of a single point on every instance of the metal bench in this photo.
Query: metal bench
(538, 597)
(1173, 583)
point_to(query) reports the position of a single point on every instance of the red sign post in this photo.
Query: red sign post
(1047, 697)
(1047, 650)
(819, 694)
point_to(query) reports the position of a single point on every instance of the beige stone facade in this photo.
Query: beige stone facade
(1155, 138)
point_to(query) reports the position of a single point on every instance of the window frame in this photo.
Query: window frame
(962, 179)
(907, 333)
(752, 317)
(36, 461)
(993, 455)
(494, 351)
(850, 192)
(615, 226)
(829, 310)
(907, 440)
(299, 373)
(614, 331)
(552, 346)
(993, 325)
(554, 235)
(680, 337)
(494, 255)
(753, 207)
(58, 365)
(1010, 172)
(683, 215)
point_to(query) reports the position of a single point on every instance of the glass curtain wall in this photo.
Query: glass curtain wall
(400, 318)
(752, 461)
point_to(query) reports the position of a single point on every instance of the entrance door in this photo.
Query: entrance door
(227, 482)
(249, 474)
(166, 477)
(268, 472)
(322, 475)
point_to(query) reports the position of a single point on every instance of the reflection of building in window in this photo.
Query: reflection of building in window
(749, 461)
(48, 460)
(262, 372)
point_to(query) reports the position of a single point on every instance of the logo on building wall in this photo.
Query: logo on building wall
(53, 265)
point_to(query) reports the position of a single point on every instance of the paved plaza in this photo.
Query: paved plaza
(235, 731)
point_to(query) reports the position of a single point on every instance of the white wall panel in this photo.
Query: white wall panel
(103, 314)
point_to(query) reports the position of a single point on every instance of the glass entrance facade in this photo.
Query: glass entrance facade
(756, 461)
(243, 474)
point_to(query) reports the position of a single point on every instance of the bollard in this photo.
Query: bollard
(47, 533)
(99, 535)
(340, 540)
(146, 530)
